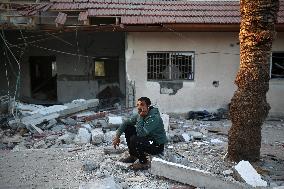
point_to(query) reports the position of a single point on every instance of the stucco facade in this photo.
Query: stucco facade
(216, 58)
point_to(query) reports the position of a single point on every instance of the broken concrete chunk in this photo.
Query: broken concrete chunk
(49, 110)
(97, 136)
(115, 120)
(83, 136)
(191, 176)
(38, 118)
(16, 123)
(109, 136)
(228, 172)
(195, 135)
(186, 137)
(107, 183)
(99, 123)
(40, 144)
(166, 122)
(87, 126)
(34, 129)
(216, 141)
(69, 121)
(50, 124)
(89, 166)
(245, 172)
(78, 106)
(67, 138)
(58, 128)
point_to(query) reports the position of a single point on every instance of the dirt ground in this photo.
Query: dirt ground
(62, 167)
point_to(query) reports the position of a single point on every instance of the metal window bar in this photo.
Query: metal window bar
(169, 66)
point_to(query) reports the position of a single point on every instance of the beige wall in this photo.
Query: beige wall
(199, 94)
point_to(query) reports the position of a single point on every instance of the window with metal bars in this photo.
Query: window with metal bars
(277, 65)
(170, 66)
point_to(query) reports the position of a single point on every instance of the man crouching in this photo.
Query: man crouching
(144, 133)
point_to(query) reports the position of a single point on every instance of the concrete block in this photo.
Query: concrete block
(186, 137)
(34, 129)
(97, 136)
(77, 106)
(166, 121)
(247, 173)
(115, 120)
(83, 136)
(191, 176)
(53, 112)
(34, 120)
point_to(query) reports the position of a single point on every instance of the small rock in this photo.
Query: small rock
(40, 144)
(89, 166)
(67, 138)
(227, 172)
(87, 126)
(83, 136)
(196, 135)
(97, 136)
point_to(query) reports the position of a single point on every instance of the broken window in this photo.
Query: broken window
(170, 66)
(277, 65)
(106, 68)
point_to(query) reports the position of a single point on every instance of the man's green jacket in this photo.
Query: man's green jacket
(150, 126)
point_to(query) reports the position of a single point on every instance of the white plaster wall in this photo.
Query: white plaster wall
(199, 94)
(275, 95)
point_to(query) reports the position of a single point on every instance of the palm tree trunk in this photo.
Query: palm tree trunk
(249, 107)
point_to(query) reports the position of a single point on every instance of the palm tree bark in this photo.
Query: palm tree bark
(249, 108)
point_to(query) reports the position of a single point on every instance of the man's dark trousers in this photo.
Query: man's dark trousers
(138, 146)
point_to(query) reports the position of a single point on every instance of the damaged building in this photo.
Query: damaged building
(55, 51)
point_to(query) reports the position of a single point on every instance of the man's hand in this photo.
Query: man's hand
(116, 141)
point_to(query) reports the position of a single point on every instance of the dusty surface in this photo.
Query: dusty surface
(62, 167)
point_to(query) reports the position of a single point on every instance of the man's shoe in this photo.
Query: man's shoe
(140, 166)
(129, 159)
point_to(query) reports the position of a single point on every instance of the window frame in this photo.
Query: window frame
(171, 53)
(109, 61)
(271, 64)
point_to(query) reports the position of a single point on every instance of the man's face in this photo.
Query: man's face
(142, 108)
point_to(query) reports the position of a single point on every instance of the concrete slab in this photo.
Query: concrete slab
(247, 173)
(191, 176)
(54, 113)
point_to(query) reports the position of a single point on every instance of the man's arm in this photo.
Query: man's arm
(130, 121)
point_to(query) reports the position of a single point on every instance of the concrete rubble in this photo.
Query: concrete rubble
(245, 171)
(76, 139)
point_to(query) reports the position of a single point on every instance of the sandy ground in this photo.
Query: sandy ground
(62, 168)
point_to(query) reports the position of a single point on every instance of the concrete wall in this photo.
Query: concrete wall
(199, 94)
(75, 79)
(276, 86)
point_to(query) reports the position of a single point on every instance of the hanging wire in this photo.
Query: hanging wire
(7, 77)
(78, 50)
(19, 70)
(59, 38)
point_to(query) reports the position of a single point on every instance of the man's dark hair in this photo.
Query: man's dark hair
(145, 99)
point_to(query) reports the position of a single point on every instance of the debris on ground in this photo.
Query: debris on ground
(70, 145)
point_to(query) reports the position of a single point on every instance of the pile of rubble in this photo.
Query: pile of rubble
(56, 126)
(197, 146)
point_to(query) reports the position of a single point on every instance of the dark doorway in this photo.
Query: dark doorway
(106, 72)
(43, 78)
